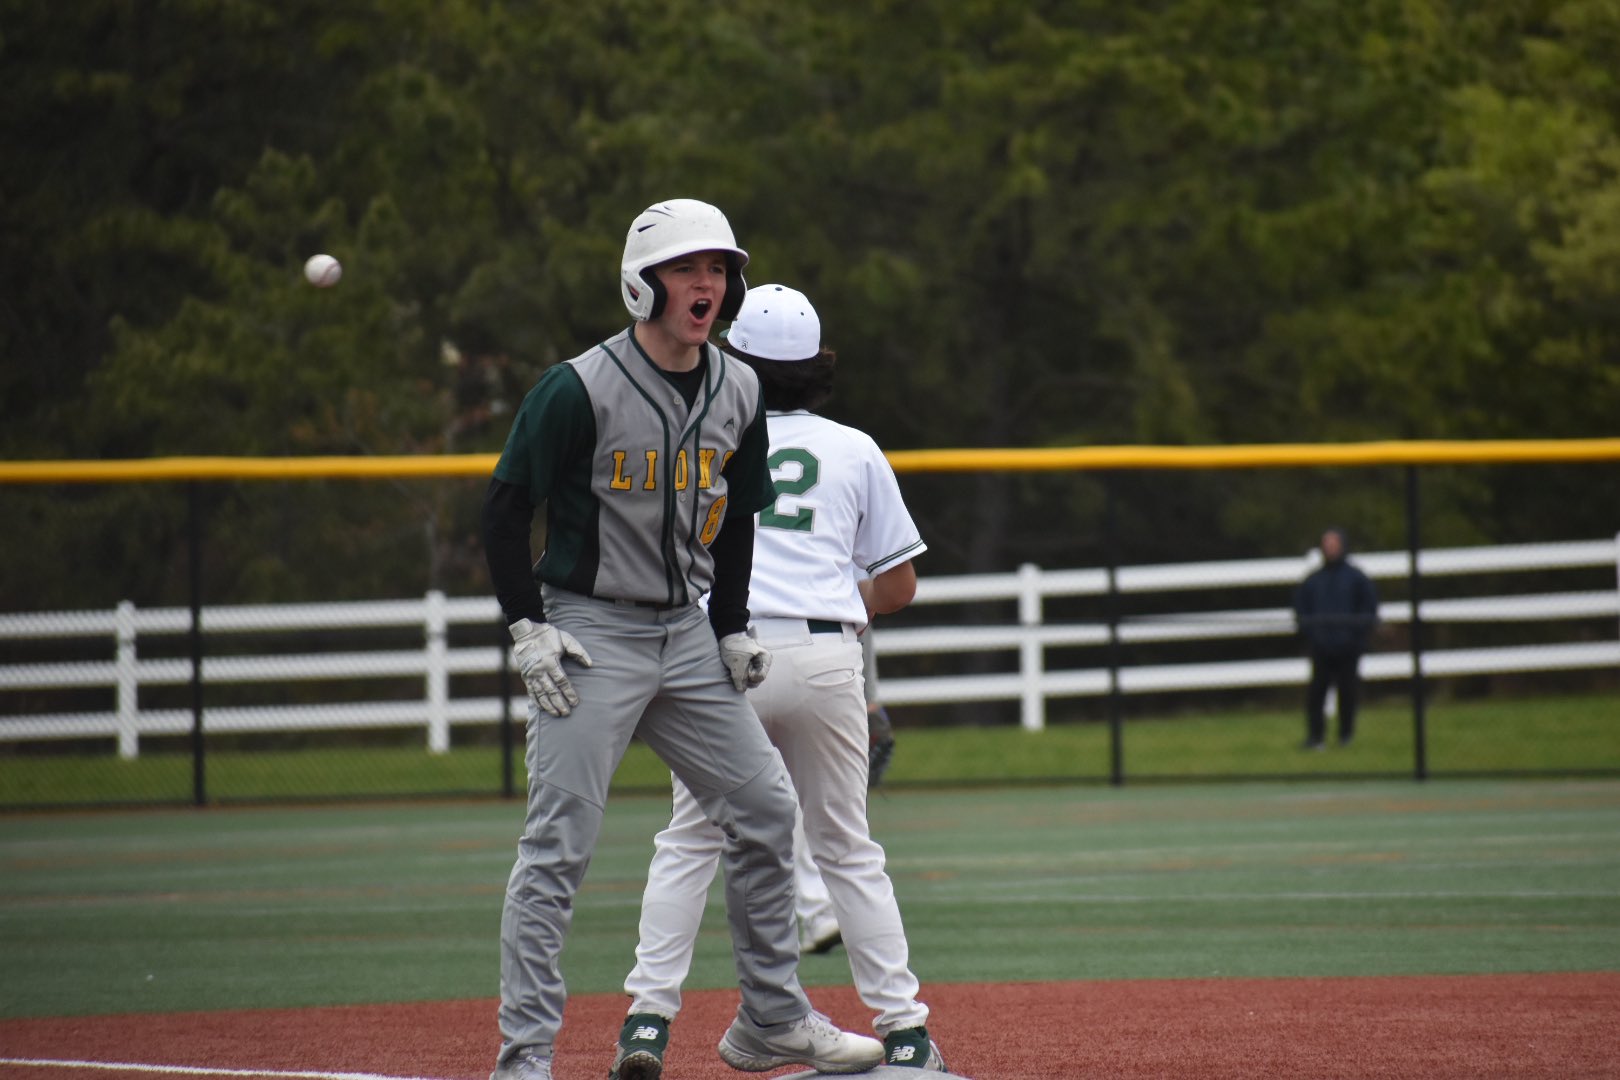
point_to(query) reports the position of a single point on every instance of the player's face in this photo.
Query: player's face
(695, 285)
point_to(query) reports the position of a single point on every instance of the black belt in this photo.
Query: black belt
(822, 626)
(655, 605)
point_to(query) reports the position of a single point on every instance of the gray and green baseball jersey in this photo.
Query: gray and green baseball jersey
(635, 482)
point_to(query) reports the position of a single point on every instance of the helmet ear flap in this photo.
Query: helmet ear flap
(660, 295)
(736, 289)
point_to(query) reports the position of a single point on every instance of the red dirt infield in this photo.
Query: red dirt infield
(1508, 1026)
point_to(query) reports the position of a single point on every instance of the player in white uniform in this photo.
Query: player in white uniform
(834, 549)
(818, 926)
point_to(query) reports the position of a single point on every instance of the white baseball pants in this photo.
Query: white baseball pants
(814, 711)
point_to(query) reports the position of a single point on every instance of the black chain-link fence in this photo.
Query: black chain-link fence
(235, 640)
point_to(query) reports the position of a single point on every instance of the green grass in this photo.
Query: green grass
(253, 907)
(1553, 735)
(1574, 735)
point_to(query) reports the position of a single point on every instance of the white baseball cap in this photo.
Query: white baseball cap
(776, 323)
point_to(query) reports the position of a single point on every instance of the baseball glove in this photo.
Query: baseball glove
(880, 751)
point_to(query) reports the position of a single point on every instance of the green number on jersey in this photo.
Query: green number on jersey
(804, 519)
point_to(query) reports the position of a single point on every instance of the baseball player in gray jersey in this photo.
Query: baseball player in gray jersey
(833, 549)
(648, 452)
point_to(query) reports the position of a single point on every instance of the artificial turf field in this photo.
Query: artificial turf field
(1227, 891)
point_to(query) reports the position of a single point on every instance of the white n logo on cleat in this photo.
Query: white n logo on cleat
(645, 1031)
(903, 1053)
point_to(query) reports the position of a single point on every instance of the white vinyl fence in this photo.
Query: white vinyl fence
(1033, 684)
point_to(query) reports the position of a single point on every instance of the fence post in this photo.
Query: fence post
(1414, 544)
(1116, 704)
(1617, 573)
(199, 770)
(438, 675)
(503, 649)
(128, 688)
(1031, 654)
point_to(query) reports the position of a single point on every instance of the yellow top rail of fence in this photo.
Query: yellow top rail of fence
(1051, 459)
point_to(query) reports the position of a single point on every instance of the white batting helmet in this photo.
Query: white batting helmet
(665, 231)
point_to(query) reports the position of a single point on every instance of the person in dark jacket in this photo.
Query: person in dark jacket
(1335, 609)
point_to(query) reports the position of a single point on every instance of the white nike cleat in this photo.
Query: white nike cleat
(525, 1066)
(811, 1040)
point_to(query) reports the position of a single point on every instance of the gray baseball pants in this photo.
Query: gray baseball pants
(656, 674)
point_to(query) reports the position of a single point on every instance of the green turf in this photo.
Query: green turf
(1548, 735)
(177, 909)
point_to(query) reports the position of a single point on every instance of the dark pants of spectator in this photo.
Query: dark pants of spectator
(1339, 670)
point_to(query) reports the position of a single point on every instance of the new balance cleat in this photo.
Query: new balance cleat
(911, 1048)
(642, 1042)
(811, 1040)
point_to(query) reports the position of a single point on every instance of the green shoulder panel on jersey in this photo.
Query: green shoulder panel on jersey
(553, 426)
(548, 453)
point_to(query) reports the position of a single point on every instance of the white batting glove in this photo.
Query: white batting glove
(539, 650)
(746, 659)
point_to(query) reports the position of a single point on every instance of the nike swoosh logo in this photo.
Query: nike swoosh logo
(807, 1050)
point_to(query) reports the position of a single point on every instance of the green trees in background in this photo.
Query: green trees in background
(1024, 224)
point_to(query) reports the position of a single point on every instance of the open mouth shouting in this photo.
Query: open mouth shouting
(701, 309)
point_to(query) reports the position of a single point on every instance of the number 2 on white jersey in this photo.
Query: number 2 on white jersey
(804, 518)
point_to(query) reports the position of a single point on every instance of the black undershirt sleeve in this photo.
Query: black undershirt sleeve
(506, 519)
(733, 551)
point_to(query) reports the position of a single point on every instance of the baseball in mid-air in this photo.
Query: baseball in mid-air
(323, 271)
